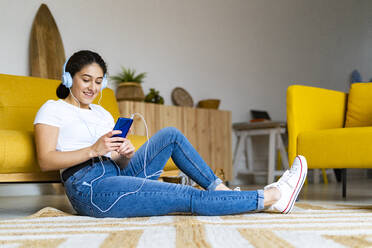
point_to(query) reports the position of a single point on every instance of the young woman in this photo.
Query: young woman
(104, 177)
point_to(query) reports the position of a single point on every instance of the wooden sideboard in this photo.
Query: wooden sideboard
(208, 130)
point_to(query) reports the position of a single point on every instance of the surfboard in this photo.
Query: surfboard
(47, 54)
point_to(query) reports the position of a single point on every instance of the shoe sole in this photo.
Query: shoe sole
(298, 188)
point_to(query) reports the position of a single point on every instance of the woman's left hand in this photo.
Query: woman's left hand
(126, 149)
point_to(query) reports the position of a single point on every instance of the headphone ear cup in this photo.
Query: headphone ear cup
(66, 76)
(67, 79)
(104, 82)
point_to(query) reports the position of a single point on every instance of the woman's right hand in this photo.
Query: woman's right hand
(106, 144)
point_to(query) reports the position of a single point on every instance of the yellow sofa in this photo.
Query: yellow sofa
(20, 99)
(316, 130)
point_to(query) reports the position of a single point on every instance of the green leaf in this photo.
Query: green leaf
(128, 75)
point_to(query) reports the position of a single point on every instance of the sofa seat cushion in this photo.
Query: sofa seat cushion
(138, 141)
(18, 155)
(17, 152)
(337, 148)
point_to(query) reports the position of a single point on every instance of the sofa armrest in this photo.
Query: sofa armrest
(311, 108)
(17, 152)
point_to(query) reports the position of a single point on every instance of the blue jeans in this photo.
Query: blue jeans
(126, 192)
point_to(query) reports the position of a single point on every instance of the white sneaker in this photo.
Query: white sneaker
(236, 189)
(289, 185)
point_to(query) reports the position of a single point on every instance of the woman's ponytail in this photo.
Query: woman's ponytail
(62, 91)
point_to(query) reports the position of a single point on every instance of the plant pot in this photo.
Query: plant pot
(130, 91)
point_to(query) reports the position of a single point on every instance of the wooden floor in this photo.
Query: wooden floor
(358, 191)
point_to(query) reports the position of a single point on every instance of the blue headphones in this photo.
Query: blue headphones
(67, 79)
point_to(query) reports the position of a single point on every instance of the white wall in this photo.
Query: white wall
(245, 52)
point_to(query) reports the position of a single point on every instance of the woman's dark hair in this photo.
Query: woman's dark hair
(76, 62)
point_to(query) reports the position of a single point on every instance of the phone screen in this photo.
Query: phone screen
(124, 125)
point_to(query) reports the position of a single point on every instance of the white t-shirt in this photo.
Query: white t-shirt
(78, 128)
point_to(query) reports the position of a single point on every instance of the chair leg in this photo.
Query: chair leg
(238, 147)
(344, 183)
(271, 162)
(324, 174)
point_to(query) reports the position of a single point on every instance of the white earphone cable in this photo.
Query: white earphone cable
(100, 98)
(157, 173)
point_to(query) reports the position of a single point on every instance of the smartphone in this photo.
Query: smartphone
(123, 124)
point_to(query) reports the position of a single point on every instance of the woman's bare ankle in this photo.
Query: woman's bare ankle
(271, 196)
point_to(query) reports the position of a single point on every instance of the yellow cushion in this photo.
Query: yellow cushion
(337, 148)
(359, 106)
(17, 152)
(138, 141)
(21, 97)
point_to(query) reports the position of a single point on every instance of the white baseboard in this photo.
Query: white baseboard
(20, 189)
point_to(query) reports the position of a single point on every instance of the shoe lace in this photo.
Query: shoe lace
(287, 174)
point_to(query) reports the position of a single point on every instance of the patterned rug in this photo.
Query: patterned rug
(311, 224)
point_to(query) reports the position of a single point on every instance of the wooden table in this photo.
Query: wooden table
(208, 130)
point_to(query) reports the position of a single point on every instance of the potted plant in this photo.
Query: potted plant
(154, 97)
(129, 85)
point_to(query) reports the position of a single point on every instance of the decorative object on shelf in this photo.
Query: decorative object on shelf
(356, 77)
(46, 54)
(154, 97)
(209, 103)
(129, 85)
(181, 97)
